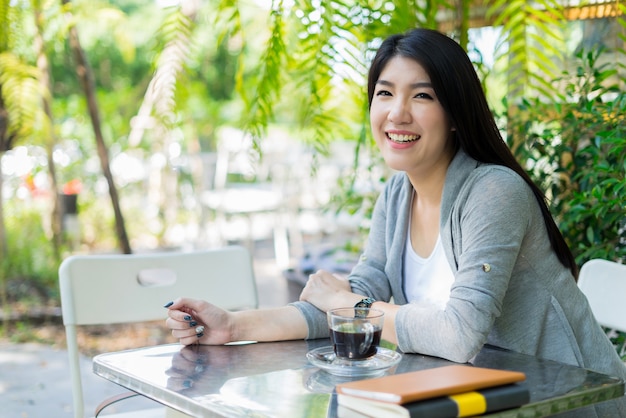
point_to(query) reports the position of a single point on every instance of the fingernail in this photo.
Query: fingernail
(168, 304)
(193, 323)
(187, 383)
(187, 317)
(200, 335)
(200, 329)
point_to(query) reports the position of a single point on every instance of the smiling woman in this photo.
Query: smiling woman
(462, 249)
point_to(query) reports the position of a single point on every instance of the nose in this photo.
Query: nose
(399, 113)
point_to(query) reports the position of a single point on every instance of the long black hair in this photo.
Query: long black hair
(461, 95)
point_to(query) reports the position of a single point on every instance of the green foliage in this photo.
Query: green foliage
(30, 255)
(596, 220)
(13, 17)
(4, 23)
(21, 96)
(533, 43)
(619, 342)
(20, 333)
(260, 105)
(576, 151)
(322, 66)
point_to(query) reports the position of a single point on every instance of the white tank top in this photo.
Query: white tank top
(427, 279)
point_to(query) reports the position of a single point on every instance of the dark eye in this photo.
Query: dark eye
(383, 93)
(423, 96)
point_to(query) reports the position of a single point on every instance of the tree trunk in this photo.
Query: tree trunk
(3, 256)
(44, 80)
(6, 140)
(85, 76)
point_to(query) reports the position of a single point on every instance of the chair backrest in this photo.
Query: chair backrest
(604, 284)
(118, 288)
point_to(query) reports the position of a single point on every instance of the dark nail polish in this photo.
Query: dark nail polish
(200, 335)
(193, 323)
(168, 304)
(187, 317)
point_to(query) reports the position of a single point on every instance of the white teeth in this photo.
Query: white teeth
(403, 138)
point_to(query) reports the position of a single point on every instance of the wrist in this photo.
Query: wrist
(350, 300)
(365, 302)
(237, 327)
(362, 306)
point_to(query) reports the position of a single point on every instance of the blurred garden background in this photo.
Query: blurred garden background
(137, 125)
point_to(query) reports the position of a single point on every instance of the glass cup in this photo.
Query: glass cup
(355, 332)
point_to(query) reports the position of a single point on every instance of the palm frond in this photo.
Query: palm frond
(260, 105)
(159, 100)
(21, 98)
(228, 22)
(328, 66)
(4, 24)
(13, 15)
(177, 31)
(227, 18)
(533, 42)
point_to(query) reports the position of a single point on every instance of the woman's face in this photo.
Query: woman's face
(409, 124)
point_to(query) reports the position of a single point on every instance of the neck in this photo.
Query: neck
(428, 184)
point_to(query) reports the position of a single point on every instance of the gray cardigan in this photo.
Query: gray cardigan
(510, 290)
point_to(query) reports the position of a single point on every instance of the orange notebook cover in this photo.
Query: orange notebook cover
(429, 383)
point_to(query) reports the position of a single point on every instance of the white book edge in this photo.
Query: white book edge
(377, 396)
(374, 409)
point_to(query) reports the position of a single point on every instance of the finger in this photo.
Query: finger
(174, 304)
(175, 323)
(197, 332)
(178, 310)
(186, 304)
(191, 355)
(175, 372)
(179, 366)
(179, 384)
(181, 316)
(341, 276)
(190, 340)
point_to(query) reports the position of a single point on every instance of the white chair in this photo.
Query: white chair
(604, 284)
(118, 288)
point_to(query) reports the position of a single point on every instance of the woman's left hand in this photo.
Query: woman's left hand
(327, 291)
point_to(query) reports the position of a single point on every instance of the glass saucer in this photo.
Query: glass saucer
(383, 360)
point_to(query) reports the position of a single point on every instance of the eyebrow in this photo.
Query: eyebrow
(414, 85)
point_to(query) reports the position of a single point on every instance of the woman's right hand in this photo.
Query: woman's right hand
(197, 321)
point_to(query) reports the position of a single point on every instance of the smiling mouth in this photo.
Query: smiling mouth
(403, 139)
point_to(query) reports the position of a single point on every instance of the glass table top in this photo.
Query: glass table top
(277, 380)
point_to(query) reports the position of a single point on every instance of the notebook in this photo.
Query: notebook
(429, 383)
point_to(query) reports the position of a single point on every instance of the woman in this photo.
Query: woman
(461, 239)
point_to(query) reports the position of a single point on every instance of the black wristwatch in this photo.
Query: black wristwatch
(363, 303)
